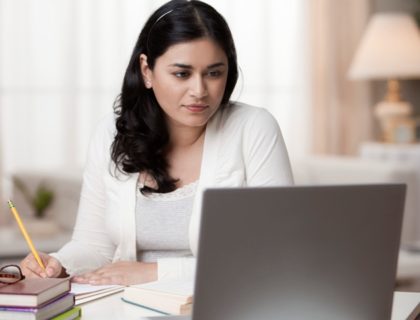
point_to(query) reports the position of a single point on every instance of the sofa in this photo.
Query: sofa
(319, 169)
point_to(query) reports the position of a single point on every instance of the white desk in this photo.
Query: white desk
(112, 307)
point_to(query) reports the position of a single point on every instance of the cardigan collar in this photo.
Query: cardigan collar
(127, 247)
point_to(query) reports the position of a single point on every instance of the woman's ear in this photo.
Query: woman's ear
(145, 71)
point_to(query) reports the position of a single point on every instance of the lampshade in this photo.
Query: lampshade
(389, 49)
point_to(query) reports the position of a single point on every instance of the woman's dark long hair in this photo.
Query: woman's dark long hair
(142, 136)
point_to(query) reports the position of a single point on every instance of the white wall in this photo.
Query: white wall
(62, 64)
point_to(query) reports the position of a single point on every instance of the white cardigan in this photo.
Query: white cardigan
(243, 147)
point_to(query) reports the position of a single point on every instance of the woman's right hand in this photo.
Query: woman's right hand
(31, 268)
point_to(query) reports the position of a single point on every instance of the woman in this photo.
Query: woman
(174, 133)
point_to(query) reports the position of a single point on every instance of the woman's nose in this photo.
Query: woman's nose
(198, 87)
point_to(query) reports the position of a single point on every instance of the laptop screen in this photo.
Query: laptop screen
(313, 252)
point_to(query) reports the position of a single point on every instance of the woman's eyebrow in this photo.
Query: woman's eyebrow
(187, 66)
(215, 65)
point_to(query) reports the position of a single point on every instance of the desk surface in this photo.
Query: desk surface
(112, 307)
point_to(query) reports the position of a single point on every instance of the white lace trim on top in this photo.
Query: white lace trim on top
(180, 193)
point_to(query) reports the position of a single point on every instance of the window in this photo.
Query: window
(62, 64)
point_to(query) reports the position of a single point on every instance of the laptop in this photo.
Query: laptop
(302, 252)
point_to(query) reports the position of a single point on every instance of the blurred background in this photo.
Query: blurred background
(321, 67)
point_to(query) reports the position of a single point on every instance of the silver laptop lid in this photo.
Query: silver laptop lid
(320, 252)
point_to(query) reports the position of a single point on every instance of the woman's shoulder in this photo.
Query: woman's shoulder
(105, 129)
(244, 108)
(242, 114)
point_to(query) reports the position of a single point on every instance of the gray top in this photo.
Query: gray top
(162, 222)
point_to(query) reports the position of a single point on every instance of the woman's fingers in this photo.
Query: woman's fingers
(31, 268)
(122, 273)
(89, 277)
(53, 267)
(96, 279)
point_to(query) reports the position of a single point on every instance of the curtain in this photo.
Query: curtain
(62, 64)
(341, 109)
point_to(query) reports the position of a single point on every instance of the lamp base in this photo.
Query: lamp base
(395, 121)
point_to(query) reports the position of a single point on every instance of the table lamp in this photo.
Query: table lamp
(389, 50)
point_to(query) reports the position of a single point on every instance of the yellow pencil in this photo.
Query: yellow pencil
(25, 234)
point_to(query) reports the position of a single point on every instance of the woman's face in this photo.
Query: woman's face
(188, 81)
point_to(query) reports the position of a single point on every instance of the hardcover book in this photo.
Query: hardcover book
(32, 292)
(74, 313)
(45, 311)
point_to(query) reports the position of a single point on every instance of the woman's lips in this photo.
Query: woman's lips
(196, 107)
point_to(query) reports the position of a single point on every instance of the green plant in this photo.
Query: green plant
(40, 200)
(417, 13)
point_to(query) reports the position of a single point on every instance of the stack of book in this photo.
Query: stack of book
(38, 299)
(167, 297)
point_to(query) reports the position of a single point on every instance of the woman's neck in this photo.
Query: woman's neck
(184, 154)
(185, 137)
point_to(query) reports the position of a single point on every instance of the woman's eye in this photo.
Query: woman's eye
(181, 74)
(215, 73)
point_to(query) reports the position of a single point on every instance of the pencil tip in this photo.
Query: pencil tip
(10, 203)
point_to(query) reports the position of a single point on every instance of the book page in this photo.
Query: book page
(82, 288)
(86, 292)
